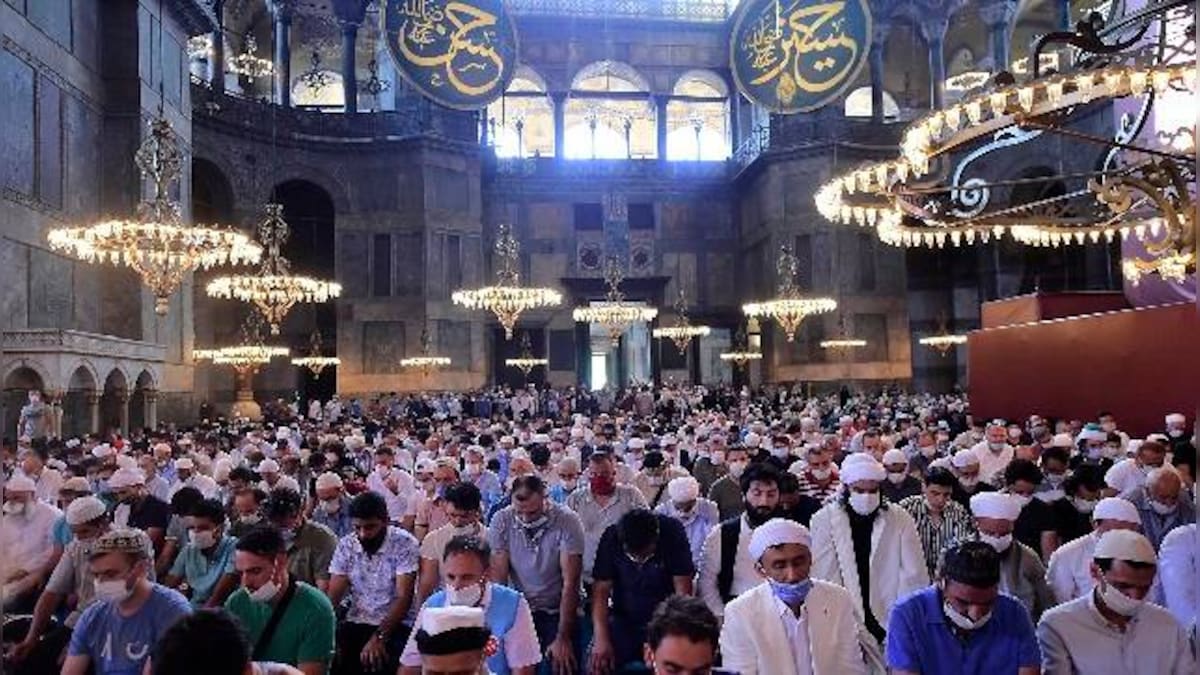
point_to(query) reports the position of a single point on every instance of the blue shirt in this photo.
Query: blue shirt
(120, 645)
(62, 532)
(201, 572)
(920, 639)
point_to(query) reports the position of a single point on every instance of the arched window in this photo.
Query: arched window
(609, 103)
(858, 104)
(521, 122)
(698, 118)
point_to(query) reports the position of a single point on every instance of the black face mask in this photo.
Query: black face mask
(372, 545)
(758, 515)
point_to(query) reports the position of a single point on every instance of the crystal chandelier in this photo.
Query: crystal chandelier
(157, 244)
(273, 290)
(199, 46)
(682, 332)
(427, 361)
(527, 361)
(507, 299)
(789, 308)
(740, 356)
(315, 361)
(373, 85)
(843, 344)
(315, 78)
(245, 359)
(943, 343)
(250, 64)
(615, 314)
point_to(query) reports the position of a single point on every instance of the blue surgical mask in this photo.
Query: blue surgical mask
(791, 594)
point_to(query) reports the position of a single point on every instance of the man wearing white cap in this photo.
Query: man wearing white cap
(1021, 572)
(187, 476)
(27, 550)
(1112, 629)
(698, 515)
(790, 624)
(333, 506)
(869, 547)
(271, 478)
(137, 508)
(1129, 474)
(454, 640)
(900, 484)
(1069, 569)
(966, 467)
(994, 452)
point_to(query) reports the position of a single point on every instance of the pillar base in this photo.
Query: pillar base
(246, 407)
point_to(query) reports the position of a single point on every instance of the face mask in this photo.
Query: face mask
(864, 503)
(473, 470)
(112, 591)
(1146, 469)
(736, 469)
(15, 508)
(1001, 544)
(466, 530)
(252, 519)
(331, 505)
(469, 596)
(928, 450)
(266, 592)
(781, 453)
(1048, 496)
(601, 485)
(1083, 505)
(996, 447)
(202, 539)
(718, 457)
(657, 481)
(1163, 509)
(1174, 433)
(791, 594)
(822, 474)
(1023, 500)
(1055, 479)
(963, 621)
(1119, 602)
(896, 477)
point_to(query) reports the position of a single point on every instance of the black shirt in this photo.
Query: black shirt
(149, 512)
(860, 534)
(1035, 519)
(1070, 522)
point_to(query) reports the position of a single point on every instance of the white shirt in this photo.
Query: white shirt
(398, 499)
(796, 628)
(207, 486)
(521, 646)
(49, 482)
(745, 576)
(27, 540)
(1178, 571)
(1069, 571)
(1125, 476)
(158, 487)
(992, 464)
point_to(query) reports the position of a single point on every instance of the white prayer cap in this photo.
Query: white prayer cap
(777, 532)
(1115, 508)
(964, 458)
(283, 434)
(861, 466)
(103, 450)
(669, 439)
(85, 510)
(683, 489)
(438, 620)
(1092, 435)
(895, 456)
(576, 432)
(221, 469)
(752, 440)
(57, 464)
(329, 479)
(1125, 545)
(424, 465)
(185, 463)
(1176, 418)
(998, 505)
(1155, 438)
(72, 443)
(635, 444)
(540, 439)
(126, 462)
(506, 439)
(76, 484)
(20, 483)
(845, 419)
(123, 478)
(268, 466)
(1062, 441)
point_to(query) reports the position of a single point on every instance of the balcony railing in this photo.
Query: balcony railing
(714, 11)
(650, 169)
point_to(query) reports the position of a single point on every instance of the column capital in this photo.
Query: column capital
(150, 395)
(282, 10)
(880, 30)
(998, 13)
(350, 11)
(557, 96)
(92, 397)
(933, 29)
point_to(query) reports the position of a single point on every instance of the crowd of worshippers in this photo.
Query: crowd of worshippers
(675, 531)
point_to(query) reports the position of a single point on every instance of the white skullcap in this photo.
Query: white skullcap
(1176, 418)
(845, 419)
(329, 479)
(85, 510)
(20, 483)
(964, 458)
(185, 463)
(506, 439)
(669, 439)
(895, 456)
(72, 443)
(126, 462)
(76, 484)
(1115, 508)
(576, 432)
(861, 466)
(777, 532)
(221, 470)
(438, 620)
(1092, 435)
(751, 440)
(540, 439)
(635, 444)
(123, 478)
(103, 450)
(1155, 438)
(268, 466)
(1125, 545)
(998, 505)
(1062, 441)
(57, 464)
(683, 489)
(424, 465)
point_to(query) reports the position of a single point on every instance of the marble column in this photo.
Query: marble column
(875, 62)
(216, 78)
(933, 31)
(122, 398)
(349, 76)
(92, 398)
(282, 10)
(660, 121)
(998, 17)
(54, 405)
(150, 408)
(559, 101)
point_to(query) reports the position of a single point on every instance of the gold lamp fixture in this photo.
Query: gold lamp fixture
(427, 361)
(527, 361)
(250, 64)
(740, 355)
(274, 290)
(789, 308)
(507, 299)
(156, 244)
(245, 359)
(614, 313)
(683, 331)
(315, 361)
(944, 341)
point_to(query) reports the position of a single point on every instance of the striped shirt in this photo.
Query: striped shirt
(956, 525)
(809, 486)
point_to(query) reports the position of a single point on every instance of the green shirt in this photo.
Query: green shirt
(305, 633)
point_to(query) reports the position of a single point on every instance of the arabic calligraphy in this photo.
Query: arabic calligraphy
(795, 55)
(460, 53)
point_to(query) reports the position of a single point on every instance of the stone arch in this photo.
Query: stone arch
(20, 377)
(114, 401)
(81, 394)
(213, 196)
(617, 69)
(708, 77)
(698, 117)
(290, 171)
(606, 116)
(143, 400)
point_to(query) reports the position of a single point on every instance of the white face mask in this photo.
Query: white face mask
(718, 457)
(1083, 505)
(864, 503)
(15, 508)
(736, 468)
(111, 591)
(1001, 544)
(963, 621)
(1161, 508)
(822, 474)
(331, 505)
(1023, 500)
(896, 477)
(781, 452)
(202, 539)
(1119, 602)
(928, 450)
(469, 596)
(266, 592)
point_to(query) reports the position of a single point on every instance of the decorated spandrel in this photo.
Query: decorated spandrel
(794, 56)
(459, 53)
